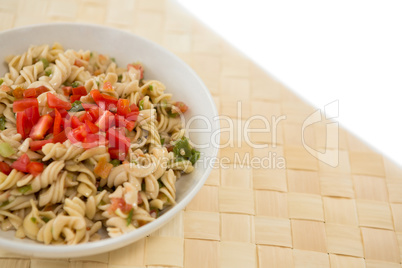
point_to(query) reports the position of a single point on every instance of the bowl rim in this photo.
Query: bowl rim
(111, 243)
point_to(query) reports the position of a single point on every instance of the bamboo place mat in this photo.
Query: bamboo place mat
(292, 210)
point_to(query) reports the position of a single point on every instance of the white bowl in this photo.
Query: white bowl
(160, 64)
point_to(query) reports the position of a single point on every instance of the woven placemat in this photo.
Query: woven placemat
(281, 205)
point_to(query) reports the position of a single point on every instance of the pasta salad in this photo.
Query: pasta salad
(85, 146)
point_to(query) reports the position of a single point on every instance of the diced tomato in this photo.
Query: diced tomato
(123, 107)
(130, 125)
(34, 92)
(37, 145)
(75, 122)
(5, 168)
(117, 139)
(74, 98)
(57, 123)
(121, 204)
(182, 106)
(32, 114)
(81, 90)
(80, 133)
(5, 88)
(63, 112)
(24, 126)
(35, 168)
(89, 106)
(117, 154)
(137, 66)
(78, 63)
(54, 102)
(120, 121)
(39, 130)
(67, 91)
(105, 121)
(95, 113)
(91, 127)
(104, 101)
(21, 105)
(94, 140)
(133, 115)
(107, 86)
(18, 93)
(61, 137)
(22, 163)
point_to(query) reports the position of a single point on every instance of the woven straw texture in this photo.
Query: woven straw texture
(295, 211)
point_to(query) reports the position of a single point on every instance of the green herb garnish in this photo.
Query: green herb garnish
(183, 150)
(76, 107)
(143, 186)
(1, 81)
(141, 105)
(90, 54)
(160, 183)
(119, 78)
(45, 63)
(25, 189)
(113, 59)
(162, 141)
(33, 219)
(115, 162)
(75, 84)
(2, 122)
(45, 219)
(5, 203)
(48, 72)
(151, 87)
(130, 217)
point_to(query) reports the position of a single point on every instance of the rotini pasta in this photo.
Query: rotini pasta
(85, 145)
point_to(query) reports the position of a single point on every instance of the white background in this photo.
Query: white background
(349, 51)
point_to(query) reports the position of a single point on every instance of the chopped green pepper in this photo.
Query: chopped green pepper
(25, 189)
(195, 155)
(6, 150)
(45, 63)
(2, 122)
(130, 217)
(75, 84)
(76, 107)
(141, 105)
(151, 87)
(115, 162)
(48, 72)
(5, 203)
(183, 150)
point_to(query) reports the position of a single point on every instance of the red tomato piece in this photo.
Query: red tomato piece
(75, 122)
(91, 127)
(23, 124)
(123, 107)
(94, 140)
(121, 204)
(5, 168)
(117, 154)
(32, 114)
(78, 63)
(89, 106)
(74, 98)
(22, 163)
(22, 105)
(130, 125)
(182, 106)
(35, 168)
(61, 137)
(67, 91)
(18, 93)
(81, 90)
(117, 139)
(37, 145)
(120, 121)
(54, 102)
(86, 117)
(57, 123)
(34, 92)
(104, 101)
(79, 133)
(105, 121)
(40, 129)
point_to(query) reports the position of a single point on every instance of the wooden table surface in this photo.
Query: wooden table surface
(294, 209)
